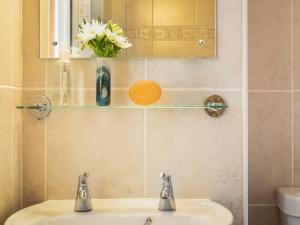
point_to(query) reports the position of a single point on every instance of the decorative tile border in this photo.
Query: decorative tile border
(189, 33)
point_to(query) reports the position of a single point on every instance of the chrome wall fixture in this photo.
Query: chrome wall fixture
(40, 107)
(216, 106)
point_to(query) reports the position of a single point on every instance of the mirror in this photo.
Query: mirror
(156, 28)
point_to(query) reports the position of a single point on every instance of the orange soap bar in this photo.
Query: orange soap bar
(145, 92)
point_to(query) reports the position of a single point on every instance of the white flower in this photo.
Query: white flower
(125, 45)
(83, 38)
(122, 42)
(118, 40)
(89, 31)
(99, 28)
(107, 39)
(109, 34)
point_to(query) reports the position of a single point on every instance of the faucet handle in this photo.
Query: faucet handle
(86, 174)
(163, 175)
(167, 179)
(83, 178)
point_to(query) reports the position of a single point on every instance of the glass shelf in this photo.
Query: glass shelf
(40, 106)
(45, 107)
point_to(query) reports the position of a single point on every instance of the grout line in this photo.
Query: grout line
(46, 141)
(195, 28)
(145, 68)
(292, 137)
(271, 91)
(245, 115)
(10, 87)
(152, 23)
(145, 153)
(21, 151)
(20, 98)
(11, 31)
(203, 89)
(292, 86)
(263, 205)
(46, 75)
(145, 137)
(12, 153)
(276, 91)
(145, 77)
(12, 76)
(35, 88)
(21, 42)
(46, 161)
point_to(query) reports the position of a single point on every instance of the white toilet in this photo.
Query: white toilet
(288, 200)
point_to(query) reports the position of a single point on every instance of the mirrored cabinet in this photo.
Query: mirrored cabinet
(156, 28)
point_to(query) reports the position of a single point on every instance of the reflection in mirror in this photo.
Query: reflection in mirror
(157, 28)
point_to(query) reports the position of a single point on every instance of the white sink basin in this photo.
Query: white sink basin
(124, 212)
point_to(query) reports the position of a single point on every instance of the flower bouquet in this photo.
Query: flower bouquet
(104, 40)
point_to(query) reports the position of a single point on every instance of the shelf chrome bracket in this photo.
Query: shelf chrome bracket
(39, 106)
(215, 106)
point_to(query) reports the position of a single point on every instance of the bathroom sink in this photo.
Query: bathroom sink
(124, 212)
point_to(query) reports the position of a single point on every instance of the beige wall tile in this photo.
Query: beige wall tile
(191, 73)
(206, 161)
(52, 73)
(269, 44)
(5, 208)
(173, 12)
(6, 163)
(296, 44)
(10, 44)
(34, 72)
(87, 97)
(17, 150)
(124, 72)
(264, 215)
(33, 156)
(270, 153)
(296, 139)
(111, 151)
(30, 27)
(33, 66)
(6, 44)
(17, 43)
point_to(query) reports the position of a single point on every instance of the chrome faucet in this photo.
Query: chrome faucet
(167, 201)
(83, 202)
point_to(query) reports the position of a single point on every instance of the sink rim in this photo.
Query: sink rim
(203, 209)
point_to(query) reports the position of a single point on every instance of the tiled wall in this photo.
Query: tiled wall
(125, 150)
(274, 54)
(10, 118)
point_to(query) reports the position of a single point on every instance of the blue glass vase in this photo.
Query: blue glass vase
(103, 82)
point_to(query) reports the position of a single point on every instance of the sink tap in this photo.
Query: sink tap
(167, 201)
(83, 202)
